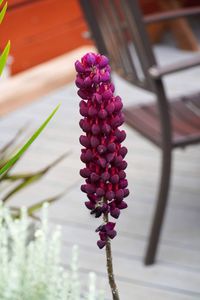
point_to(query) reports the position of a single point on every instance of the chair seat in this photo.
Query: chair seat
(185, 118)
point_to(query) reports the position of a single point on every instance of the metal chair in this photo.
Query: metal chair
(118, 29)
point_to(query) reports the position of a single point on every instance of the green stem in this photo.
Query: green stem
(110, 272)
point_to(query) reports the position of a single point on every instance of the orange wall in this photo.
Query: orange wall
(41, 29)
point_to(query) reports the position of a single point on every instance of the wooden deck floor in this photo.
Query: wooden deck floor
(176, 275)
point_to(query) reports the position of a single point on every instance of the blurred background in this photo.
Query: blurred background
(42, 30)
(47, 37)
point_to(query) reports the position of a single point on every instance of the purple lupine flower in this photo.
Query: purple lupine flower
(103, 154)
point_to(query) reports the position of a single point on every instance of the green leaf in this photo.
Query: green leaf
(9, 164)
(4, 56)
(12, 141)
(35, 207)
(16, 211)
(40, 173)
(20, 186)
(28, 179)
(3, 11)
(1, 1)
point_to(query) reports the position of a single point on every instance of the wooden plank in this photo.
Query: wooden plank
(159, 277)
(143, 122)
(169, 255)
(181, 109)
(181, 226)
(180, 28)
(128, 289)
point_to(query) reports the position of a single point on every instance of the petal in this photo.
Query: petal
(101, 244)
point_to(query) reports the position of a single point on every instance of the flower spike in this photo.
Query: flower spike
(102, 152)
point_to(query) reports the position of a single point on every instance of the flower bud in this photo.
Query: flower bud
(102, 162)
(105, 176)
(84, 140)
(115, 212)
(83, 111)
(122, 205)
(79, 82)
(89, 205)
(88, 155)
(90, 188)
(119, 195)
(94, 177)
(118, 161)
(85, 173)
(103, 61)
(90, 59)
(87, 82)
(118, 104)
(123, 165)
(112, 147)
(95, 129)
(79, 67)
(105, 77)
(101, 244)
(94, 141)
(114, 179)
(122, 174)
(101, 149)
(123, 183)
(83, 94)
(85, 125)
(121, 135)
(92, 112)
(110, 157)
(97, 97)
(111, 234)
(102, 114)
(97, 78)
(110, 195)
(107, 94)
(126, 192)
(123, 151)
(100, 192)
(106, 128)
(110, 108)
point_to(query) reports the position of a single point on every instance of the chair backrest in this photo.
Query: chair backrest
(118, 29)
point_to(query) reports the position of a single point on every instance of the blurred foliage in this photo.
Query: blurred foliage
(15, 182)
(4, 55)
(31, 268)
(12, 152)
(3, 11)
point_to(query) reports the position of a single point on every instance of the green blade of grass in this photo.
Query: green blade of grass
(12, 141)
(28, 143)
(40, 173)
(3, 11)
(4, 56)
(21, 186)
(36, 207)
(31, 210)
(1, 1)
(30, 178)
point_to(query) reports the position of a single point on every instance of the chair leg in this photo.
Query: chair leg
(160, 207)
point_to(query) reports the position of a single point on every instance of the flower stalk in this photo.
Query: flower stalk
(102, 153)
(109, 265)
